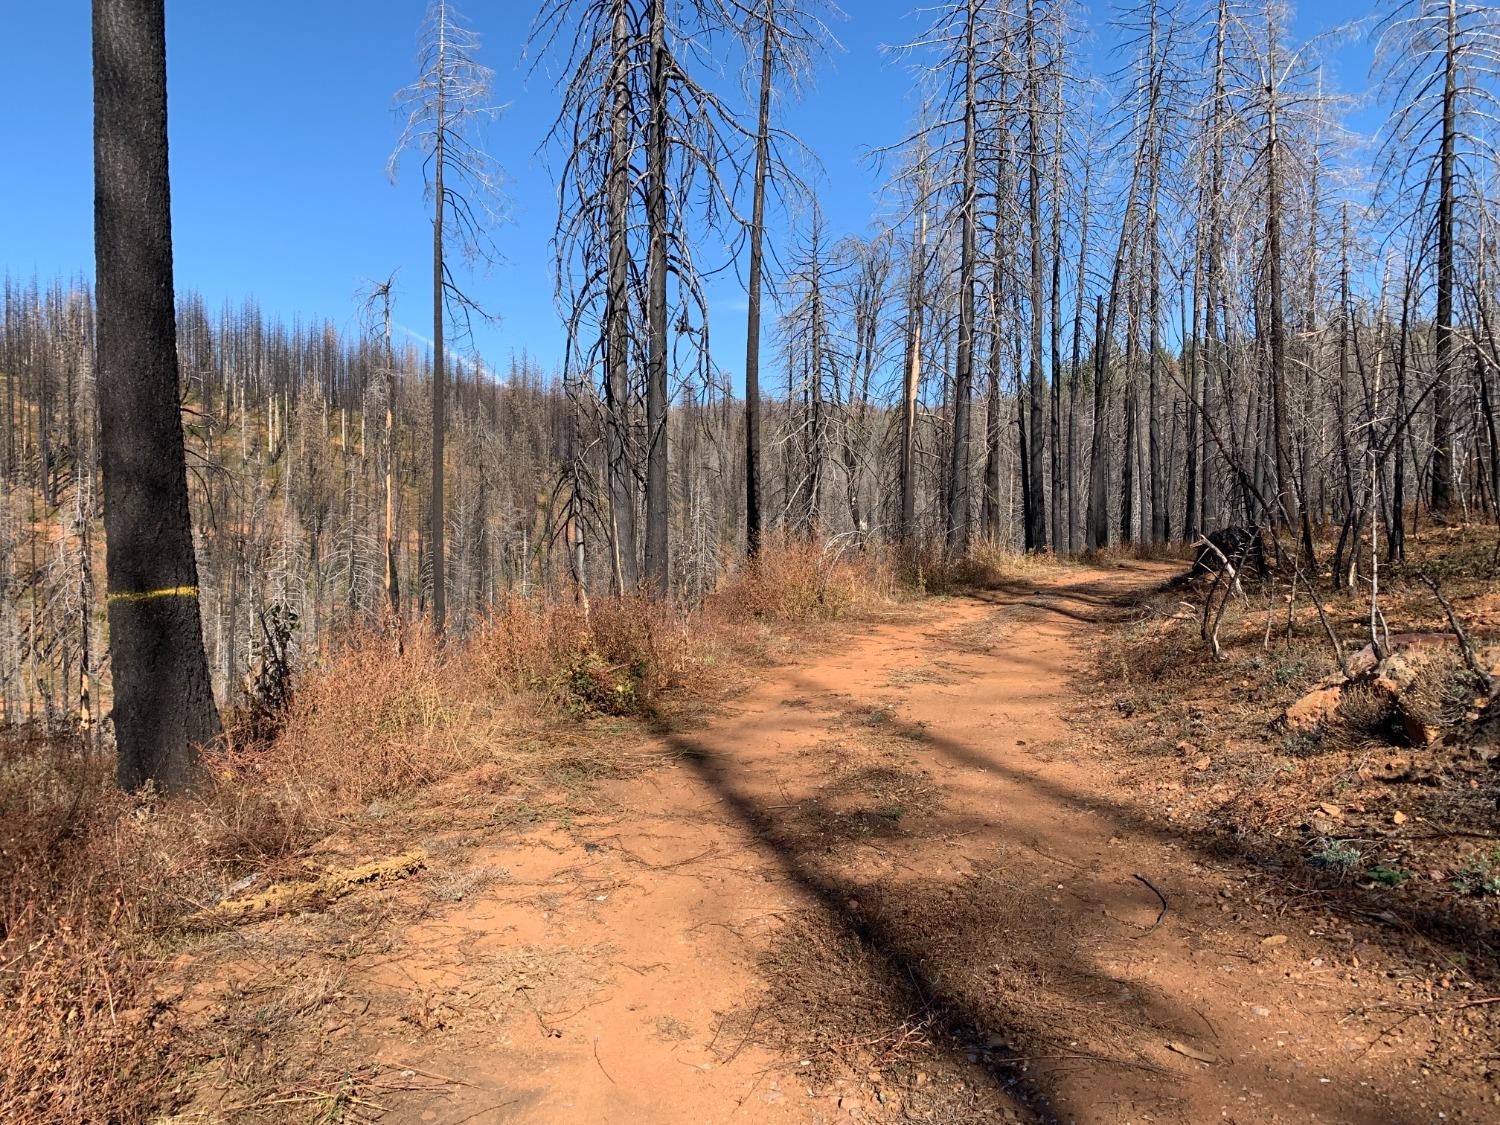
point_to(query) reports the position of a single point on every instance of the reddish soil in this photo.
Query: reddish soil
(889, 883)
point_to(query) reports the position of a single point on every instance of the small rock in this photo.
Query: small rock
(1313, 709)
(1259, 1011)
(1274, 939)
(1192, 1052)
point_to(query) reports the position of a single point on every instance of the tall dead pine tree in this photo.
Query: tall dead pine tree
(443, 110)
(1438, 60)
(658, 497)
(752, 320)
(780, 35)
(163, 700)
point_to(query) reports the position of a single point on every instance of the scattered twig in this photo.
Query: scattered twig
(548, 1030)
(1465, 647)
(1152, 1067)
(1214, 1031)
(1338, 648)
(1192, 1053)
(1054, 858)
(1470, 1004)
(486, 1109)
(1156, 891)
(598, 1060)
(432, 1074)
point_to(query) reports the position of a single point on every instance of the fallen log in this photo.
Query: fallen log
(331, 885)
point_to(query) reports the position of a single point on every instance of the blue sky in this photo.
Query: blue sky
(281, 123)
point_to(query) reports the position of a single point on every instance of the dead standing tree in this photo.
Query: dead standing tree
(786, 33)
(378, 300)
(918, 179)
(808, 346)
(597, 131)
(644, 146)
(1143, 108)
(444, 111)
(163, 700)
(1439, 60)
(962, 37)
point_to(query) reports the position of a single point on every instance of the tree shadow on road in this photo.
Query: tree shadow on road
(998, 968)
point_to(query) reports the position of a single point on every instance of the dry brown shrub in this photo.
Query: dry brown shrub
(1366, 711)
(618, 657)
(1443, 691)
(382, 717)
(524, 641)
(90, 880)
(385, 717)
(1437, 697)
(984, 566)
(1135, 552)
(94, 883)
(797, 581)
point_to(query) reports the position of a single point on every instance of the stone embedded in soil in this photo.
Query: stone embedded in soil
(1314, 709)
(1390, 679)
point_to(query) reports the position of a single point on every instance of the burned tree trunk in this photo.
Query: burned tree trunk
(163, 701)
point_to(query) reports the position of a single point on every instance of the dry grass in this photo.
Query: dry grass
(95, 885)
(802, 582)
(1204, 738)
(876, 799)
(92, 879)
(985, 566)
(385, 740)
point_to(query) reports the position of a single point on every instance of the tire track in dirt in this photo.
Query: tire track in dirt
(890, 886)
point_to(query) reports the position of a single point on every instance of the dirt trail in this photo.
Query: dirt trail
(890, 885)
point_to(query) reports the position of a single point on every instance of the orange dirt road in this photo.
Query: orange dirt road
(981, 925)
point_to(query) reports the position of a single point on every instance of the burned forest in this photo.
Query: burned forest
(688, 486)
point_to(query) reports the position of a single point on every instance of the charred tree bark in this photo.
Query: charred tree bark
(1036, 510)
(658, 498)
(622, 491)
(1442, 392)
(163, 701)
(957, 538)
(436, 508)
(752, 327)
(911, 380)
